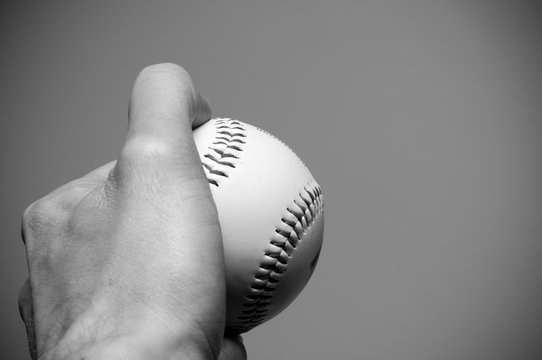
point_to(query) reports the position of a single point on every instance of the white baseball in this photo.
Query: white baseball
(271, 214)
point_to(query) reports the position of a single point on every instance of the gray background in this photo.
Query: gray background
(420, 119)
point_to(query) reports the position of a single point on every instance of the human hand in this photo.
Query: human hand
(127, 261)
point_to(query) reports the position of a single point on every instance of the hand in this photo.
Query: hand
(127, 261)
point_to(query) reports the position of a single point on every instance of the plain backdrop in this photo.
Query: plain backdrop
(420, 119)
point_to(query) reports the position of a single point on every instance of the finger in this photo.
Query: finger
(203, 112)
(88, 181)
(233, 348)
(68, 196)
(163, 108)
(98, 175)
(25, 310)
(164, 104)
(160, 89)
(25, 303)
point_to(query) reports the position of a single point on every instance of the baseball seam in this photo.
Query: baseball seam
(224, 151)
(297, 219)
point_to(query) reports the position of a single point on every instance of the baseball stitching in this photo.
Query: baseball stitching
(297, 219)
(224, 154)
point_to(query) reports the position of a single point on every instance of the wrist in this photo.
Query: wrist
(131, 348)
(137, 340)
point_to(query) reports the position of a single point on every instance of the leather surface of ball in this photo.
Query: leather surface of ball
(271, 214)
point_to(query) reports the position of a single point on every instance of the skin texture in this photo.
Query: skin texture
(127, 261)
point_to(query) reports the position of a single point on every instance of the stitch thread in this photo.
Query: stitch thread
(223, 152)
(298, 218)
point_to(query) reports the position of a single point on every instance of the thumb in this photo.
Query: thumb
(164, 107)
(233, 348)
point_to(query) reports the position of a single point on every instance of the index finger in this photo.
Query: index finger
(164, 108)
(164, 102)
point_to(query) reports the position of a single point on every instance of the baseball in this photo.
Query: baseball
(271, 213)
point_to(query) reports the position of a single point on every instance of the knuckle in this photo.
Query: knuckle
(33, 213)
(140, 150)
(40, 215)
